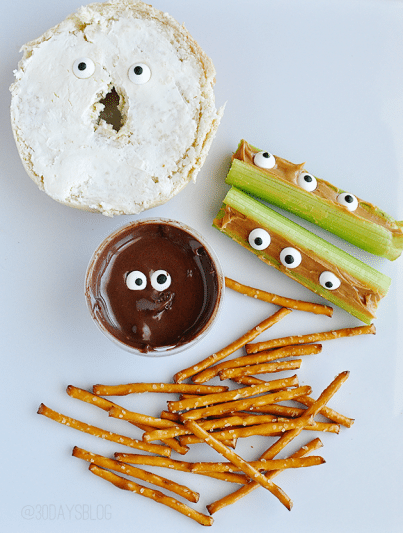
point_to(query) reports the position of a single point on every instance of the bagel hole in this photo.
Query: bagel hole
(111, 113)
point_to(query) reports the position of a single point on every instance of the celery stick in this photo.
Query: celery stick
(365, 233)
(314, 246)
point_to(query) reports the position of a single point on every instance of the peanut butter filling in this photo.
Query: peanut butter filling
(351, 290)
(289, 172)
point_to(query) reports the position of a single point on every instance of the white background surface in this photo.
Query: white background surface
(314, 81)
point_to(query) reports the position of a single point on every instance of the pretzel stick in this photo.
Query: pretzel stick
(138, 459)
(154, 479)
(270, 428)
(279, 300)
(328, 412)
(88, 397)
(287, 437)
(172, 443)
(245, 419)
(229, 499)
(313, 337)
(245, 404)
(231, 348)
(244, 466)
(166, 415)
(139, 388)
(217, 423)
(131, 416)
(103, 434)
(279, 410)
(186, 396)
(273, 464)
(106, 405)
(175, 417)
(192, 439)
(247, 380)
(316, 426)
(253, 359)
(244, 392)
(262, 368)
(159, 497)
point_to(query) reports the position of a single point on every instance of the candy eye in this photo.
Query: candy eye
(307, 182)
(348, 200)
(329, 281)
(290, 257)
(139, 73)
(259, 239)
(136, 280)
(160, 280)
(264, 160)
(84, 67)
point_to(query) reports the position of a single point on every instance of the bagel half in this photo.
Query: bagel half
(113, 109)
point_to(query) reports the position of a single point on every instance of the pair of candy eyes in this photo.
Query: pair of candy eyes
(290, 257)
(138, 73)
(305, 181)
(137, 280)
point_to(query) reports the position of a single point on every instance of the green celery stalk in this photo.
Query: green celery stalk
(361, 232)
(312, 245)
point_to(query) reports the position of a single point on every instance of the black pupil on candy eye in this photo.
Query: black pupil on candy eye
(329, 284)
(138, 282)
(82, 66)
(138, 70)
(348, 198)
(266, 155)
(161, 279)
(258, 241)
(289, 259)
(308, 179)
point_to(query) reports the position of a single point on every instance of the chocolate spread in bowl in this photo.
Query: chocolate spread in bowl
(175, 295)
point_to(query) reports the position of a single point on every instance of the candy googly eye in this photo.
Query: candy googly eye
(259, 239)
(83, 67)
(139, 73)
(264, 160)
(307, 182)
(160, 280)
(329, 281)
(290, 257)
(348, 200)
(136, 280)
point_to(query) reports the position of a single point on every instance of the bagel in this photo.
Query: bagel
(113, 109)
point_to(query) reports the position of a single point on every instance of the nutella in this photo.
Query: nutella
(153, 286)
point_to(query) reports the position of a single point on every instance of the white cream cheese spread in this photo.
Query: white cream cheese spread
(86, 67)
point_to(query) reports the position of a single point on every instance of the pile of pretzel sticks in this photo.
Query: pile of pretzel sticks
(219, 415)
